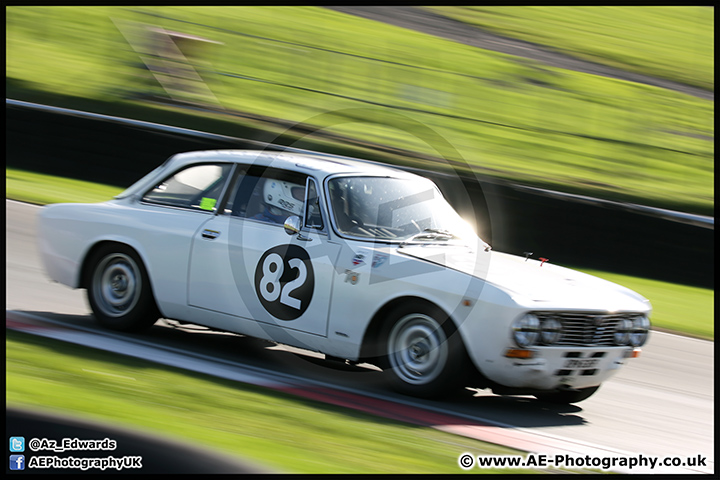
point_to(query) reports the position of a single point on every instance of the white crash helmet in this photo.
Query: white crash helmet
(286, 196)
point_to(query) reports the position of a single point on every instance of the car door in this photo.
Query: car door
(246, 265)
(166, 219)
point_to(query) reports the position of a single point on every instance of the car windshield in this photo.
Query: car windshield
(394, 209)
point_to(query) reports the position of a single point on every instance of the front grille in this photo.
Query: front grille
(586, 329)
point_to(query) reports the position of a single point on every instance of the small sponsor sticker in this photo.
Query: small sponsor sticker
(379, 259)
(358, 259)
(351, 277)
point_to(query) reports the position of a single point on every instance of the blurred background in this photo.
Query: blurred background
(310, 74)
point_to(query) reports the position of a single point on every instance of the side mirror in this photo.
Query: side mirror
(292, 225)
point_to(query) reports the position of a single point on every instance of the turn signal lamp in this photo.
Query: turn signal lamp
(519, 353)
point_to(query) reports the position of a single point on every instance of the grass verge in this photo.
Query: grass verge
(286, 434)
(41, 189)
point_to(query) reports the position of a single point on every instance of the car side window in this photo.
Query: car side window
(268, 195)
(197, 187)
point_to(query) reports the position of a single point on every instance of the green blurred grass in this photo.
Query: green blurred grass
(672, 42)
(281, 432)
(684, 309)
(41, 189)
(506, 117)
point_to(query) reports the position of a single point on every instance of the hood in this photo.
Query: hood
(540, 284)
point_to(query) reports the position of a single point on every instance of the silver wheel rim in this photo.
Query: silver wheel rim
(417, 349)
(116, 284)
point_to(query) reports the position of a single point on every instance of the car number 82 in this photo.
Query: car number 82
(284, 281)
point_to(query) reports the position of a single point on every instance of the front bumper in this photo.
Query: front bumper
(551, 368)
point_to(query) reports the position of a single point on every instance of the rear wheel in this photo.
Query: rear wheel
(567, 396)
(423, 355)
(118, 289)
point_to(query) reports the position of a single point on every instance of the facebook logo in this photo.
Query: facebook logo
(17, 444)
(17, 462)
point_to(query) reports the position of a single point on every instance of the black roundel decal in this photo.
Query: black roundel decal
(284, 281)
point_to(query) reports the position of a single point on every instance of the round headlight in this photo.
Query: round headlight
(526, 330)
(639, 333)
(622, 332)
(550, 331)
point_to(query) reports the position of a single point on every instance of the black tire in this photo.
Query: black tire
(118, 289)
(422, 354)
(567, 396)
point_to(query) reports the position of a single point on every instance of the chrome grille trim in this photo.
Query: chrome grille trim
(586, 329)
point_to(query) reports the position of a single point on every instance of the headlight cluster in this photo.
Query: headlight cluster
(622, 332)
(637, 333)
(580, 329)
(529, 330)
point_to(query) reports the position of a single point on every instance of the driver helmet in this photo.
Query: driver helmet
(284, 198)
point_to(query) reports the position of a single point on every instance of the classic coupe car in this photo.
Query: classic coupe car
(356, 260)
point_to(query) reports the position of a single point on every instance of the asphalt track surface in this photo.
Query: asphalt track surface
(661, 404)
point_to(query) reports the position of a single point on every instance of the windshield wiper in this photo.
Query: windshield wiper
(439, 234)
(430, 234)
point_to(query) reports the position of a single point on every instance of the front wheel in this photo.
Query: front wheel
(118, 289)
(567, 396)
(423, 355)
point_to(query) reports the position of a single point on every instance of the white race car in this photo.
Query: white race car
(358, 261)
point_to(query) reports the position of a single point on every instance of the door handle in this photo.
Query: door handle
(210, 234)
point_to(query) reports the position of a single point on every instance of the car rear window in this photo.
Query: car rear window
(197, 187)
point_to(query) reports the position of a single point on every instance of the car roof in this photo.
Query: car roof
(320, 165)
